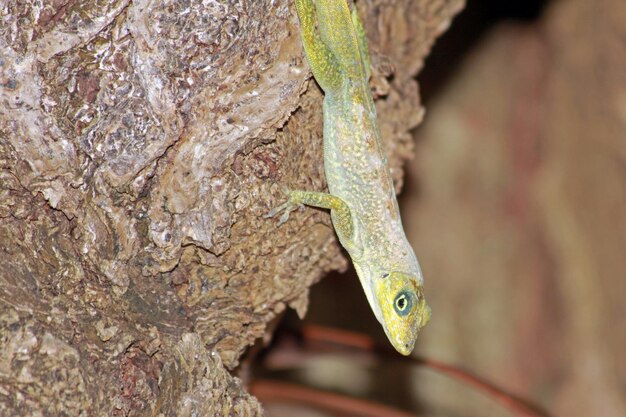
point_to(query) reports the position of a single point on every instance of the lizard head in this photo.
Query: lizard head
(403, 309)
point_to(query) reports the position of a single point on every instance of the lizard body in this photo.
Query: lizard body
(361, 196)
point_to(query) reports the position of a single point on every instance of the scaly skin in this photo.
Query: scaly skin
(362, 199)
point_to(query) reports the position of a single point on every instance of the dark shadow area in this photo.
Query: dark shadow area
(466, 30)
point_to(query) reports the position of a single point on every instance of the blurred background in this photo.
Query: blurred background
(516, 207)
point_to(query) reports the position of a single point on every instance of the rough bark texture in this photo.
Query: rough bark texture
(140, 145)
(520, 222)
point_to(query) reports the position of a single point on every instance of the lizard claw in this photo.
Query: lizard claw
(286, 208)
(273, 212)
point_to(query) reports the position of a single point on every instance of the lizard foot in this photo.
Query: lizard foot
(286, 208)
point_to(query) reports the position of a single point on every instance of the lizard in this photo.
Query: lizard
(361, 198)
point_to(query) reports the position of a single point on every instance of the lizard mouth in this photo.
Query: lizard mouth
(403, 346)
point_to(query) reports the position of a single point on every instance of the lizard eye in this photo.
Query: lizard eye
(403, 303)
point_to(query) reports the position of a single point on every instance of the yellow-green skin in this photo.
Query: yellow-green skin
(362, 199)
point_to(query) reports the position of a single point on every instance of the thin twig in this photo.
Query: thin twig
(315, 338)
(270, 391)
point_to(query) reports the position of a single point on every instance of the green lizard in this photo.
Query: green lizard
(362, 200)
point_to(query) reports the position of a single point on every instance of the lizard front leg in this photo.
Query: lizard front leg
(339, 211)
(361, 38)
(323, 62)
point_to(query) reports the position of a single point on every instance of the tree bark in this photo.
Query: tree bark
(141, 143)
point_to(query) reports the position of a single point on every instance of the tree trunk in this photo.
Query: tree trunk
(141, 143)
